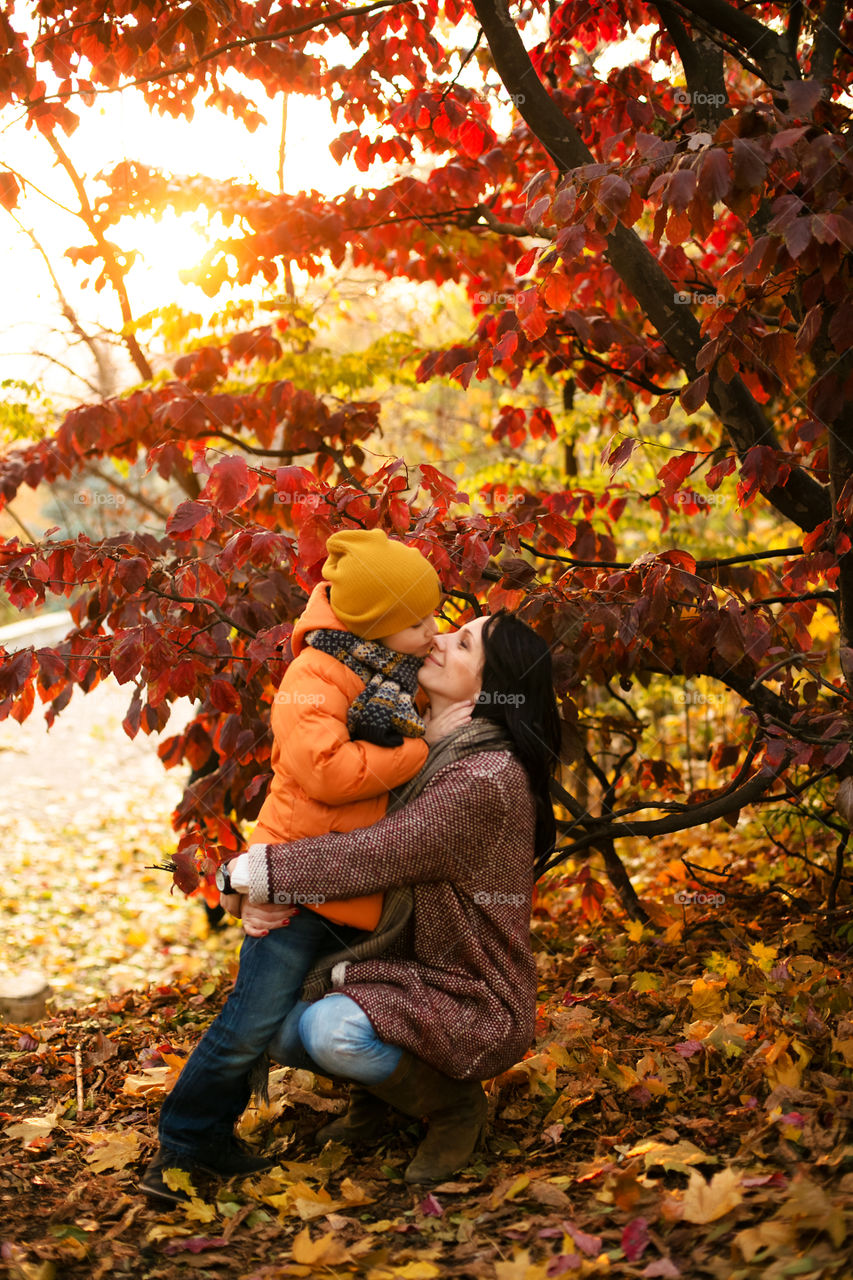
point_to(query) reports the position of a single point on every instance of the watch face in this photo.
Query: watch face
(220, 879)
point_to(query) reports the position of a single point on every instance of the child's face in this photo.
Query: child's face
(416, 639)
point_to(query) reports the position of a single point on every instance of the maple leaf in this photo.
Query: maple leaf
(705, 1202)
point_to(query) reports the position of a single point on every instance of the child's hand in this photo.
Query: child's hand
(260, 917)
(453, 717)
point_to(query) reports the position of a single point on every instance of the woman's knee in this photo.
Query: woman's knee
(334, 1030)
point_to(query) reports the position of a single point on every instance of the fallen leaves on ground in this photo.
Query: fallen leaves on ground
(691, 1126)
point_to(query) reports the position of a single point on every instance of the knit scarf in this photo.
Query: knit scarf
(384, 712)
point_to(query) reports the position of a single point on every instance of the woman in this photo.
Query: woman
(452, 1000)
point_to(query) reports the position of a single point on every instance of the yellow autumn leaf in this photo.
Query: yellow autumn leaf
(781, 1066)
(674, 932)
(778, 1237)
(309, 1203)
(810, 1208)
(111, 1150)
(508, 1190)
(845, 1049)
(725, 966)
(198, 1211)
(151, 1082)
(707, 998)
(33, 1129)
(707, 1201)
(763, 956)
(325, 1251)
(644, 981)
(521, 1268)
(679, 1156)
(179, 1180)
(353, 1193)
(623, 1077)
(409, 1271)
(166, 1231)
(635, 930)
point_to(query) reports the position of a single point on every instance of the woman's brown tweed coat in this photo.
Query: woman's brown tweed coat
(458, 987)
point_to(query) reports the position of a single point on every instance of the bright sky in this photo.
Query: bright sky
(120, 127)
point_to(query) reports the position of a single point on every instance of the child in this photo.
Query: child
(344, 724)
(345, 731)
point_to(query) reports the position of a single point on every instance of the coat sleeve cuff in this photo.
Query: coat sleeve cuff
(239, 873)
(258, 873)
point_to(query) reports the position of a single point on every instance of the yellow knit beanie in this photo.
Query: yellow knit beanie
(379, 586)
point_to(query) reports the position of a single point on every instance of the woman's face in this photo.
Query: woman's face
(455, 667)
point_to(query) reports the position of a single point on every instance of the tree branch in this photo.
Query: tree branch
(130, 493)
(702, 61)
(802, 499)
(208, 604)
(694, 817)
(827, 43)
(717, 563)
(106, 252)
(764, 45)
(220, 49)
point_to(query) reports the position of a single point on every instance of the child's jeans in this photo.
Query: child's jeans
(213, 1089)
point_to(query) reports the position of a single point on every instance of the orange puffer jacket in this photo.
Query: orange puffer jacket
(323, 780)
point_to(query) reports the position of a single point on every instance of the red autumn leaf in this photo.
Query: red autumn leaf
(472, 138)
(620, 454)
(190, 519)
(592, 896)
(675, 471)
(185, 875)
(803, 95)
(229, 484)
(694, 395)
(715, 176)
(635, 1239)
(9, 190)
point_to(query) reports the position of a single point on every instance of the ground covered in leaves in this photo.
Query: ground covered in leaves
(684, 1113)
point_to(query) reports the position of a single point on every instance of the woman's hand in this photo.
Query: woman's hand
(452, 717)
(260, 917)
(232, 903)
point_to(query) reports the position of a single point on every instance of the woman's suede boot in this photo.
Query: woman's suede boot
(365, 1121)
(455, 1110)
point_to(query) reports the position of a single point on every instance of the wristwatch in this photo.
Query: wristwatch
(223, 879)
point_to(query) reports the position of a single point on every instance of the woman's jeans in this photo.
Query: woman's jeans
(213, 1090)
(336, 1037)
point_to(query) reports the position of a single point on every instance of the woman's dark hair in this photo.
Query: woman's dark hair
(518, 693)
